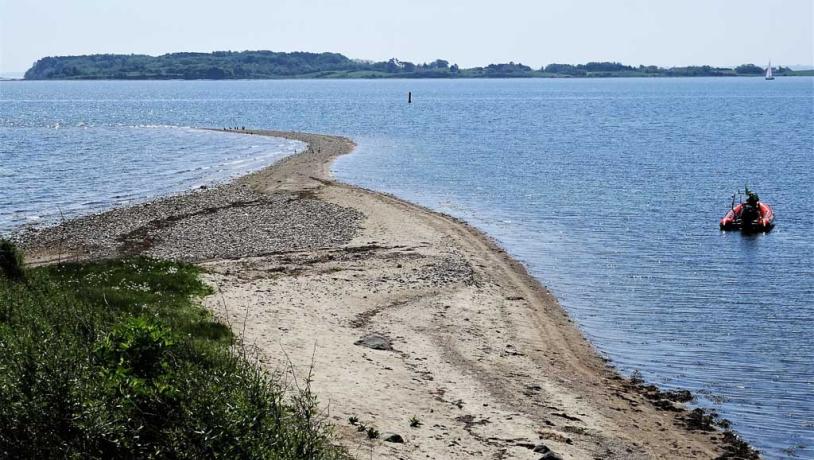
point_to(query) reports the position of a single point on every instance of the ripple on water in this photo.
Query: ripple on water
(89, 169)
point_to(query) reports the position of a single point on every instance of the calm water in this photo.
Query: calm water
(608, 190)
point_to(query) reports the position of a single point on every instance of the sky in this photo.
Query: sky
(466, 32)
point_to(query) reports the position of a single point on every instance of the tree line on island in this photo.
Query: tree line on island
(225, 65)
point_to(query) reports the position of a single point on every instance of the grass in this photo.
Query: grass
(116, 359)
(372, 433)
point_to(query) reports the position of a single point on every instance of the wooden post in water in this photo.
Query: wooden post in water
(409, 97)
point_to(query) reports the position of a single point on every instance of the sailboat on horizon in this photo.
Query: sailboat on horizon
(769, 75)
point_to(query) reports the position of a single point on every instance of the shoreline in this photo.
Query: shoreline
(464, 338)
(560, 77)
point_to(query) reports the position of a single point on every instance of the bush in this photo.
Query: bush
(135, 358)
(11, 261)
(116, 360)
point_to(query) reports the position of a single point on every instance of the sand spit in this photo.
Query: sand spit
(403, 316)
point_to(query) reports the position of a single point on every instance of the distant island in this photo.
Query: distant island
(229, 65)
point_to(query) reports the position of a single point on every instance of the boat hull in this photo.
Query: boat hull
(763, 222)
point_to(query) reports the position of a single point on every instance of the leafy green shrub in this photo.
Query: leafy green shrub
(137, 346)
(135, 357)
(11, 261)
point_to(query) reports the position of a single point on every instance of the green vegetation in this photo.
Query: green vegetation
(222, 65)
(11, 262)
(115, 359)
(372, 433)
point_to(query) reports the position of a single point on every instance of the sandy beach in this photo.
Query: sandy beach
(397, 313)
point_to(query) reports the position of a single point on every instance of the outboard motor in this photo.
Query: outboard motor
(750, 215)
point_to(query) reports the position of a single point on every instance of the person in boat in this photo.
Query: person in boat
(751, 209)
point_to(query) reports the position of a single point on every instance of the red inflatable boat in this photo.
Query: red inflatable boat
(749, 218)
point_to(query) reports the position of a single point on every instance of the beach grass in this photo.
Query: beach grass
(116, 359)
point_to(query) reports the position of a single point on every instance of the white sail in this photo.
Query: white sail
(769, 75)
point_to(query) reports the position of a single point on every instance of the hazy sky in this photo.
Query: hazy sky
(473, 32)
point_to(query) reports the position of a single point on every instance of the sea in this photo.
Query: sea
(608, 190)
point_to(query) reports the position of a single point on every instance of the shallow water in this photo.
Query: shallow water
(608, 190)
(55, 172)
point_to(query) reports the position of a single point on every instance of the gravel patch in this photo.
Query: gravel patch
(228, 221)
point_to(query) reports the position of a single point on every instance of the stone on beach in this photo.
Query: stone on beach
(375, 342)
(393, 437)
